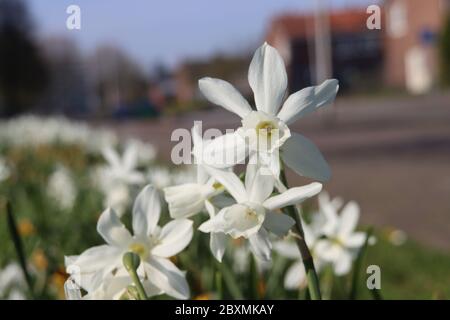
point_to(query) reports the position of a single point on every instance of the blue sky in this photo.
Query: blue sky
(167, 31)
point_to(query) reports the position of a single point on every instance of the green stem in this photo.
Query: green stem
(131, 261)
(138, 284)
(253, 278)
(327, 282)
(308, 262)
(230, 281)
(219, 287)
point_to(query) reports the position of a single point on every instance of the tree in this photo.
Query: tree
(23, 73)
(67, 90)
(117, 79)
(445, 53)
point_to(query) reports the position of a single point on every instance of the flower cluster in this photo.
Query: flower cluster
(249, 209)
(250, 205)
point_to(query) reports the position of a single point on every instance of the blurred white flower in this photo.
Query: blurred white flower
(123, 169)
(119, 177)
(4, 170)
(265, 130)
(331, 239)
(146, 152)
(61, 188)
(241, 261)
(296, 274)
(341, 243)
(31, 131)
(153, 244)
(118, 197)
(184, 175)
(12, 282)
(159, 177)
(254, 214)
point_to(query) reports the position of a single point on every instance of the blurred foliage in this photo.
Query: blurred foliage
(445, 52)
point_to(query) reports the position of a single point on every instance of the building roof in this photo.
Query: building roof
(302, 25)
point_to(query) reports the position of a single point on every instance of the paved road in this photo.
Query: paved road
(391, 155)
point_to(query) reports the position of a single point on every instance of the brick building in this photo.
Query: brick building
(403, 54)
(356, 51)
(411, 42)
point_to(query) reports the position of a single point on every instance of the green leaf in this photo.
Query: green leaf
(230, 281)
(18, 245)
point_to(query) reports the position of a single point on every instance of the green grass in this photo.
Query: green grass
(411, 271)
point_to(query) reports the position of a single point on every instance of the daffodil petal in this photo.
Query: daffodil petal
(112, 230)
(146, 211)
(174, 237)
(225, 151)
(225, 95)
(231, 182)
(166, 276)
(268, 79)
(278, 223)
(307, 100)
(293, 196)
(348, 219)
(302, 156)
(295, 276)
(217, 244)
(260, 245)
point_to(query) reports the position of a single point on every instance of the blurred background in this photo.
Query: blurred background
(132, 69)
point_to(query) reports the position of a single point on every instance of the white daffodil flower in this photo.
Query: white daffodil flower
(341, 243)
(123, 169)
(254, 214)
(265, 131)
(188, 199)
(153, 244)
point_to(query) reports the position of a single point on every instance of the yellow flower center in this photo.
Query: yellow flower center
(250, 213)
(337, 241)
(265, 128)
(217, 185)
(139, 249)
